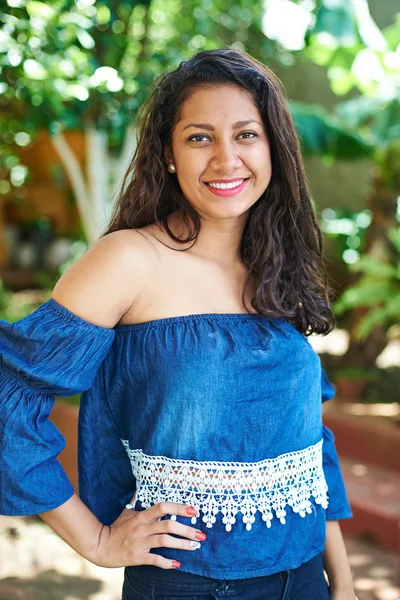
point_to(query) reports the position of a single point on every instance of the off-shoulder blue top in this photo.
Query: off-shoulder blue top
(219, 411)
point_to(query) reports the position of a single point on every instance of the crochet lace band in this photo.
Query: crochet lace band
(268, 486)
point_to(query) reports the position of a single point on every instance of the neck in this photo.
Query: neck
(218, 240)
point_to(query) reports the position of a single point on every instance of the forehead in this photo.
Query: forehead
(228, 102)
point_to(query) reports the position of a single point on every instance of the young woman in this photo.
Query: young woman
(204, 465)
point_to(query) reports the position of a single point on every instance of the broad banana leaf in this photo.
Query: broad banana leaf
(322, 134)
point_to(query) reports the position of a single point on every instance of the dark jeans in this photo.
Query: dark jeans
(146, 582)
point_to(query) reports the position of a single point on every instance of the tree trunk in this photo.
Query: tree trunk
(94, 190)
(77, 181)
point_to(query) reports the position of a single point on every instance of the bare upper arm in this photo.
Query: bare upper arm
(102, 285)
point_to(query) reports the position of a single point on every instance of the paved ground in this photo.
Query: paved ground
(375, 573)
(36, 565)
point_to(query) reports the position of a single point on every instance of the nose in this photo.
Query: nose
(225, 159)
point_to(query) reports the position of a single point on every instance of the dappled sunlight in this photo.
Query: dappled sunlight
(372, 410)
(374, 571)
(380, 572)
(390, 355)
(36, 562)
(389, 593)
(359, 560)
(337, 343)
(359, 470)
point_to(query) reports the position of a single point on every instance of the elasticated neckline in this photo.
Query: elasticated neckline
(155, 323)
(197, 317)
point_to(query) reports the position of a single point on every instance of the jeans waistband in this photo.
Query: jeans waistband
(157, 576)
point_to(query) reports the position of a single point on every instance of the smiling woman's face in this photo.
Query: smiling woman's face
(220, 137)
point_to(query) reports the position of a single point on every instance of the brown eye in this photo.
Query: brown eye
(191, 139)
(248, 133)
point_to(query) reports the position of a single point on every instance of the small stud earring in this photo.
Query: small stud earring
(171, 168)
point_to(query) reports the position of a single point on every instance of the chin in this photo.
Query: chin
(228, 212)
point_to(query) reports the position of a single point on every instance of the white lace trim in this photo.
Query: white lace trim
(268, 486)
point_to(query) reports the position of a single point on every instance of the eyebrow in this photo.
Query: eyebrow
(236, 125)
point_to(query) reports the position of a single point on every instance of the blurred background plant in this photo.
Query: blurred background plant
(15, 306)
(86, 66)
(377, 291)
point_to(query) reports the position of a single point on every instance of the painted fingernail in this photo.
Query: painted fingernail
(176, 564)
(200, 536)
(195, 545)
(191, 511)
(129, 506)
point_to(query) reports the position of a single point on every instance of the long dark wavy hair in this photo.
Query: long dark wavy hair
(282, 242)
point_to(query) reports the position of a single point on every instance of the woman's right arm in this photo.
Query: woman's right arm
(58, 350)
(128, 541)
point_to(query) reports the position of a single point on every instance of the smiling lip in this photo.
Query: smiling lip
(227, 192)
(225, 180)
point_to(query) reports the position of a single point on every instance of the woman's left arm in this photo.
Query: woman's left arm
(335, 556)
(336, 564)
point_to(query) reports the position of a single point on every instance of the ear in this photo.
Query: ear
(168, 156)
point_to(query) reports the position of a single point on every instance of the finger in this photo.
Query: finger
(168, 508)
(163, 540)
(176, 528)
(160, 561)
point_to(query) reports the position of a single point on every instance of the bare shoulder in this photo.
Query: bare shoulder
(102, 285)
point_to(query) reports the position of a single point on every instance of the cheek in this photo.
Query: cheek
(259, 156)
(189, 169)
(263, 168)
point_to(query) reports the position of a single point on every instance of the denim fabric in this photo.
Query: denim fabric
(50, 352)
(208, 387)
(307, 582)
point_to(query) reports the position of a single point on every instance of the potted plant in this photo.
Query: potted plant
(351, 382)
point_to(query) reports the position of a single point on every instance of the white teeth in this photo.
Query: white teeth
(226, 186)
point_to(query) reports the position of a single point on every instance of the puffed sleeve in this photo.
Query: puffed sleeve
(52, 351)
(339, 506)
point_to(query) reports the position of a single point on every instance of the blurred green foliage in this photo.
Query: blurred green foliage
(69, 63)
(378, 290)
(16, 306)
(384, 385)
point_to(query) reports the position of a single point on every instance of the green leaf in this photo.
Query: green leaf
(103, 15)
(357, 111)
(34, 70)
(342, 81)
(74, 18)
(374, 267)
(321, 134)
(394, 235)
(367, 28)
(392, 34)
(319, 53)
(85, 39)
(337, 19)
(364, 294)
(385, 316)
(369, 321)
(393, 306)
(39, 9)
(344, 57)
(386, 126)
